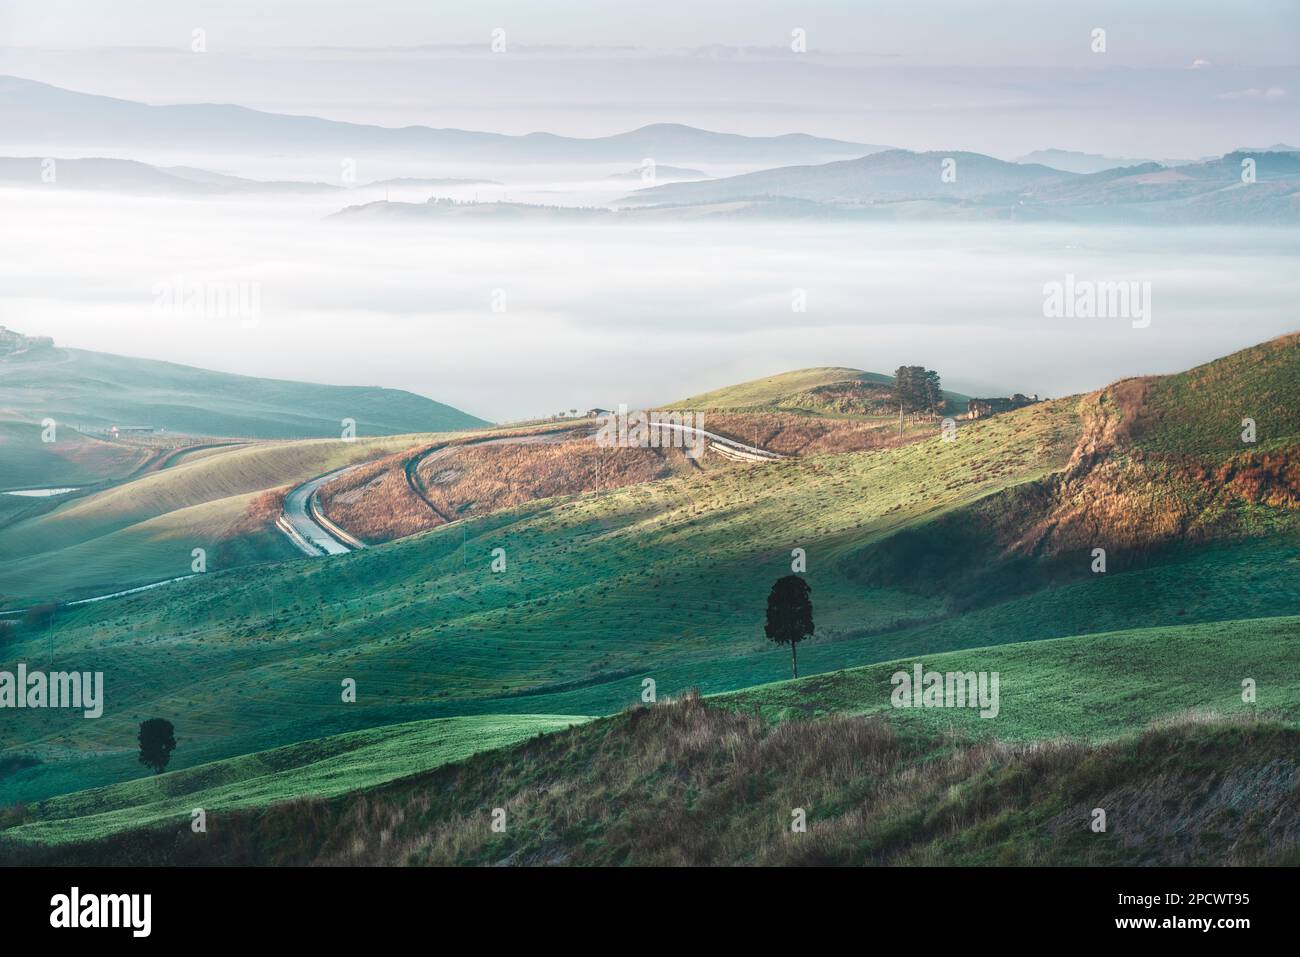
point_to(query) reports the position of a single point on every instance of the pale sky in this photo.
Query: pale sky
(1177, 80)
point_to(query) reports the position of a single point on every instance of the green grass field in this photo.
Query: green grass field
(324, 767)
(1090, 696)
(73, 460)
(682, 564)
(1089, 686)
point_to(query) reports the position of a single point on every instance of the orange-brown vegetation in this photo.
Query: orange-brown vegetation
(1118, 493)
(478, 479)
(390, 497)
(793, 434)
(262, 510)
(233, 546)
(376, 503)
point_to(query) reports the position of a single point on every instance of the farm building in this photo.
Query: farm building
(982, 408)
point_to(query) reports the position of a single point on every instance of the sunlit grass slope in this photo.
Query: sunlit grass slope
(1118, 720)
(597, 587)
(770, 391)
(796, 391)
(144, 530)
(321, 768)
(71, 462)
(1200, 411)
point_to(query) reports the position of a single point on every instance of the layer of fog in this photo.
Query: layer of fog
(598, 315)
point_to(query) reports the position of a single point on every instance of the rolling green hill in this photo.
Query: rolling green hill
(223, 499)
(427, 628)
(803, 390)
(320, 768)
(1093, 720)
(71, 462)
(768, 392)
(144, 530)
(99, 390)
(1200, 411)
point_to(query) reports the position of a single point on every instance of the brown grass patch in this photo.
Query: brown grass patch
(793, 434)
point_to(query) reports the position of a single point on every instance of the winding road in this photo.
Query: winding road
(303, 522)
(307, 526)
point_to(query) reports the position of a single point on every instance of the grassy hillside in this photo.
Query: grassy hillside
(1200, 412)
(471, 476)
(98, 390)
(144, 530)
(1091, 686)
(320, 768)
(769, 391)
(1095, 720)
(1161, 469)
(71, 462)
(664, 580)
(827, 391)
(686, 784)
(926, 548)
(667, 576)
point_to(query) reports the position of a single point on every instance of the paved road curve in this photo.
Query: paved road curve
(303, 530)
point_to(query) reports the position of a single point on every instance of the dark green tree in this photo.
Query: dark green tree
(157, 741)
(916, 389)
(789, 615)
(933, 392)
(902, 391)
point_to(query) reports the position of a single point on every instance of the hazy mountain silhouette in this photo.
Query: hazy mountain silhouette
(33, 112)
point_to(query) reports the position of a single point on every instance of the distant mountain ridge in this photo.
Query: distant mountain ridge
(34, 112)
(1074, 161)
(131, 176)
(886, 176)
(1239, 187)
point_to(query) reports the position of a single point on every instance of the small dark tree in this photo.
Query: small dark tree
(789, 615)
(157, 741)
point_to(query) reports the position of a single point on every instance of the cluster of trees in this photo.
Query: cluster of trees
(917, 391)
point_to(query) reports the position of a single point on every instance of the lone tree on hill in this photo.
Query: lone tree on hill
(789, 615)
(157, 741)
